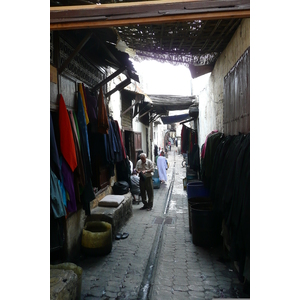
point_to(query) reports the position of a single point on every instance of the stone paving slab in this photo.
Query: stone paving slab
(182, 270)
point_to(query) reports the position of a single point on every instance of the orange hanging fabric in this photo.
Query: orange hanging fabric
(67, 146)
(84, 103)
(103, 124)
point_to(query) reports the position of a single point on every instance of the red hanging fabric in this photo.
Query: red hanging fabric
(67, 146)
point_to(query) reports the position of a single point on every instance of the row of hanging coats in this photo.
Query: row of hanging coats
(225, 170)
(189, 144)
(80, 142)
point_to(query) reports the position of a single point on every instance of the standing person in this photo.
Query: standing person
(162, 167)
(144, 168)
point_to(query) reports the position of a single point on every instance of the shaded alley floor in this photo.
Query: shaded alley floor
(158, 260)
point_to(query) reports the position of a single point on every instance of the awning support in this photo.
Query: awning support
(189, 120)
(119, 87)
(146, 112)
(154, 118)
(72, 55)
(109, 78)
(135, 103)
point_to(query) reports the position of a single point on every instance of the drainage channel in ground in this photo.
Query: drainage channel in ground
(161, 221)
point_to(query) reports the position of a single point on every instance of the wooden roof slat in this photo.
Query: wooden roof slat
(140, 7)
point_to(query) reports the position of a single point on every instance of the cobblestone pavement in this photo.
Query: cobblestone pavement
(158, 260)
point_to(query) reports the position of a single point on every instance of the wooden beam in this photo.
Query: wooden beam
(135, 103)
(109, 78)
(72, 55)
(120, 86)
(145, 112)
(154, 20)
(141, 7)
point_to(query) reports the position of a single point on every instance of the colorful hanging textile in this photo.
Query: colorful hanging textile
(56, 197)
(67, 146)
(82, 126)
(102, 115)
(68, 182)
(83, 102)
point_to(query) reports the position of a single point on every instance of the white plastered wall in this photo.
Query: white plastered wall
(210, 87)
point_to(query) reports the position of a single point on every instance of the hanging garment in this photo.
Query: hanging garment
(212, 143)
(112, 140)
(87, 194)
(56, 198)
(77, 129)
(79, 179)
(68, 182)
(121, 140)
(102, 115)
(66, 137)
(54, 156)
(91, 102)
(228, 174)
(123, 171)
(204, 147)
(80, 89)
(118, 152)
(79, 171)
(162, 167)
(82, 126)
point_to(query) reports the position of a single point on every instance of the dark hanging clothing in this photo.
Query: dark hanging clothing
(195, 161)
(54, 156)
(91, 103)
(123, 171)
(212, 143)
(118, 152)
(113, 144)
(102, 115)
(121, 140)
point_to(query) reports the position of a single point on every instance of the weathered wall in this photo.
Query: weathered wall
(212, 89)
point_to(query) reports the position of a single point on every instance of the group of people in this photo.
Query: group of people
(141, 178)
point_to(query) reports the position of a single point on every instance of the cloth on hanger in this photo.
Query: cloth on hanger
(77, 129)
(87, 193)
(80, 89)
(112, 140)
(212, 144)
(56, 198)
(204, 147)
(118, 153)
(91, 102)
(66, 137)
(82, 126)
(121, 140)
(54, 156)
(68, 182)
(79, 179)
(102, 115)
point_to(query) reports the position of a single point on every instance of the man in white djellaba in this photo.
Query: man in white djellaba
(162, 166)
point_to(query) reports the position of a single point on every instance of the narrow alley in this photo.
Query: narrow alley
(158, 260)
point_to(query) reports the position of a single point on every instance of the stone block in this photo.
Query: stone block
(116, 216)
(63, 284)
